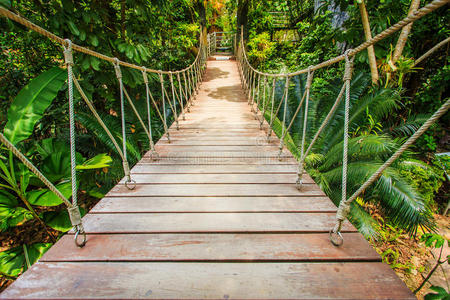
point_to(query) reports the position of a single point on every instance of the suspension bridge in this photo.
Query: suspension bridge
(218, 207)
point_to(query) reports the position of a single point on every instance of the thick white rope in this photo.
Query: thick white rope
(386, 33)
(344, 206)
(180, 99)
(149, 116)
(283, 124)
(33, 169)
(174, 101)
(316, 136)
(74, 211)
(126, 166)
(98, 118)
(261, 121)
(269, 133)
(305, 118)
(161, 79)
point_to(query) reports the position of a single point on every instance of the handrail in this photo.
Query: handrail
(194, 73)
(14, 17)
(387, 32)
(248, 76)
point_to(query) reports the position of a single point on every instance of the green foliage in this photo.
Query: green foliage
(59, 220)
(45, 197)
(441, 294)
(31, 102)
(11, 214)
(425, 178)
(15, 261)
(433, 240)
(97, 162)
(260, 48)
(369, 146)
(5, 3)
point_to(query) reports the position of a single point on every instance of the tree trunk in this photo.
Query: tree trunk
(242, 16)
(404, 33)
(368, 34)
(200, 7)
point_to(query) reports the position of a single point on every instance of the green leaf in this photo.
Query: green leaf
(95, 63)
(55, 159)
(85, 63)
(441, 294)
(82, 35)
(93, 40)
(31, 102)
(45, 197)
(5, 3)
(129, 52)
(59, 220)
(73, 28)
(11, 214)
(12, 261)
(433, 240)
(97, 162)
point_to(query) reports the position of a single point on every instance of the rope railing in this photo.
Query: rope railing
(432, 6)
(248, 76)
(192, 77)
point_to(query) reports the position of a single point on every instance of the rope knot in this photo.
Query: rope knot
(343, 211)
(348, 65)
(117, 68)
(68, 54)
(309, 78)
(144, 74)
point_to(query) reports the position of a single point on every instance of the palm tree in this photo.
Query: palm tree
(370, 144)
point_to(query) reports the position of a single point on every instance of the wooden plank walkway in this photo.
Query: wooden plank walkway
(217, 217)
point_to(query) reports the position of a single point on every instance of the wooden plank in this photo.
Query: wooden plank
(236, 141)
(211, 130)
(216, 178)
(197, 156)
(213, 204)
(212, 222)
(213, 247)
(255, 148)
(359, 280)
(219, 190)
(208, 160)
(146, 168)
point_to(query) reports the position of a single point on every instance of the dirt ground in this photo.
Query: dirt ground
(412, 261)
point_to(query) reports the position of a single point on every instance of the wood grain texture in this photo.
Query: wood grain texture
(213, 247)
(152, 168)
(211, 222)
(213, 204)
(218, 216)
(217, 178)
(219, 190)
(210, 281)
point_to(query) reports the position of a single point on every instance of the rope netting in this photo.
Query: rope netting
(251, 78)
(182, 93)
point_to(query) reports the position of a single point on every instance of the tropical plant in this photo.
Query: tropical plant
(438, 242)
(23, 196)
(368, 147)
